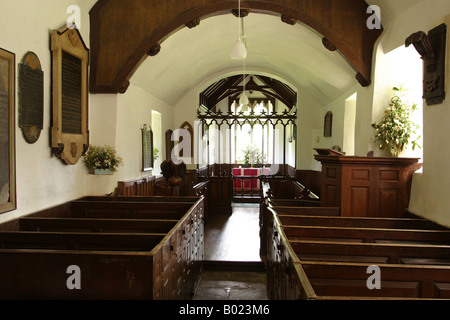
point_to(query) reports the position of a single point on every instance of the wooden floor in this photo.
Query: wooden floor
(233, 269)
(233, 237)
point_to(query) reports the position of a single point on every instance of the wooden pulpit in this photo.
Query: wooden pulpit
(367, 186)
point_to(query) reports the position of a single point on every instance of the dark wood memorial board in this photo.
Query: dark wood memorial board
(70, 135)
(71, 94)
(31, 97)
(147, 148)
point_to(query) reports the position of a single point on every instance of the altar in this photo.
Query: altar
(248, 179)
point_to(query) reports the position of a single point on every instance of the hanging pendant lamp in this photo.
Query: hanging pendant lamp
(243, 100)
(239, 49)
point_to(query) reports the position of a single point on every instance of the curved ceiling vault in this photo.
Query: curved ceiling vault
(125, 32)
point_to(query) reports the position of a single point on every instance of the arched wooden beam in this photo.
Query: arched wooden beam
(123, 32)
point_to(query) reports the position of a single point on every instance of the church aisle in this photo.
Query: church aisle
(233, 237)
(233, 269)
(232, 285)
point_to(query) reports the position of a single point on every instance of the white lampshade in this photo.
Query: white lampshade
(239, 51)
(243, 100)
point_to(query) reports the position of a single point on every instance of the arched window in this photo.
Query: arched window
(328, 125)
(406, 71)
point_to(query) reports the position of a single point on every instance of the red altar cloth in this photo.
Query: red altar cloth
(249, 184)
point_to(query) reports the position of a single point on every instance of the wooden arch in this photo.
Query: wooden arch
(125, 32)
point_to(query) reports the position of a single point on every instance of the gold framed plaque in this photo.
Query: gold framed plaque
(7, 132)
(70, 59)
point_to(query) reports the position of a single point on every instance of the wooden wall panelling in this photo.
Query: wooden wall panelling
(310, 179)
(331, 181)
(220, 195)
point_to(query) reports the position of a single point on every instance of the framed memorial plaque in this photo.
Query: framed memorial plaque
(147, 148)
(31, 97)
(70, 58)
(7, 132)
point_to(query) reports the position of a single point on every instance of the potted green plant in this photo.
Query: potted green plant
(155, 153)
(102, 160)
(252, 155)
(396, 130)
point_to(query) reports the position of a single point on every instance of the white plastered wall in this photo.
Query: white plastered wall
(429, 195)
(42, 180)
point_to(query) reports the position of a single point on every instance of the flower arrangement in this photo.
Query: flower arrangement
(396, 130)
(102, 158)
(252, 155)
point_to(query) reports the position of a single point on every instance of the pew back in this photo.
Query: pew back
(147, 248)
(329, 257)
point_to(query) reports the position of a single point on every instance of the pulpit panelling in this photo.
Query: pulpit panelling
(365, 186)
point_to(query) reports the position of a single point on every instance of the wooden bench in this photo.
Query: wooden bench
(367, 235)
(128, 210)
(126, 248)
(281, 187)
(349, 281)
(158, 187)
(265, 216)
(79, 241)
(293, 202)
(336, 221)
(327, 257)
(96, 225)
(373, 253)
(308, 211)
(144, 186)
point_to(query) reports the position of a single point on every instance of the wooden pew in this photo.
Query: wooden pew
(128, 210)
(281, 187)
(265, 216)
(79, 241)
(370, 252)
(31, 274)
(350, 222)
(145, 186)
(308, 211)
(327, 257)
(349, 281)
(293, 203)
(125, 248)
(158, 187)
(96, 225)
(367, 235)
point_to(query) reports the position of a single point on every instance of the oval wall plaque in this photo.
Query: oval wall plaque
(31, 97)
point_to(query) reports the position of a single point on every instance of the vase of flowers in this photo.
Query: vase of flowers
(396, 130)
(102, 160)
(252, 155)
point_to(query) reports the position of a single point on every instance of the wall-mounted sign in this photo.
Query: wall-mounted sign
(31, 97)
(70, 135)
(7, 131)
(147, 148)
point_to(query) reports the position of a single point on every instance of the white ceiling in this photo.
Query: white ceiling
(195, 58)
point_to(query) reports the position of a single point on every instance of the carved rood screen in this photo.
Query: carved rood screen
(262, 136)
